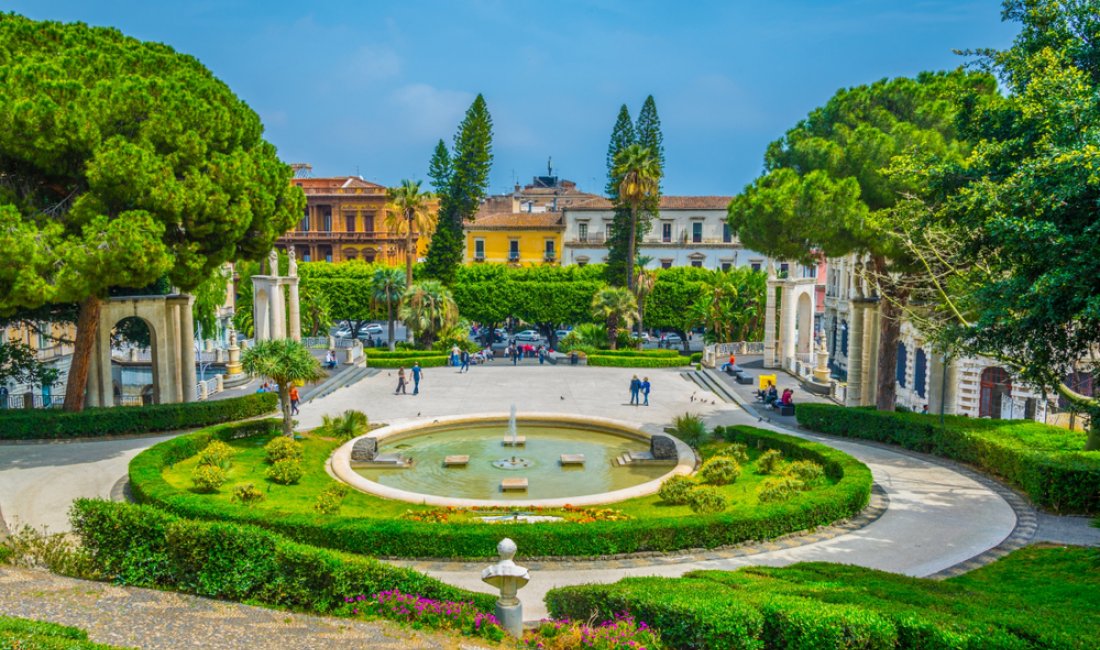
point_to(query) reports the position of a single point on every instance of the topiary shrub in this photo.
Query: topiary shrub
(780, 488)
(720, 470)
(735, 450)
(705, 500)
(769, 462)
(283, 448)
(330, 499)
(247, 494)
(286, 471)
(208, 478)
(344, 427)
(674, 491)
(807, 471)
(217, 453)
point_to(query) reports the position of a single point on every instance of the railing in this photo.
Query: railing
(37, 400)
(327, 236)
(589, 239)
(315, 342)
(716, 354)
(130, 400)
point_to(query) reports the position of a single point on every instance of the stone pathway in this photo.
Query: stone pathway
(145, 618)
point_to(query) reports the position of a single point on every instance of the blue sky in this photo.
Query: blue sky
(369, 87)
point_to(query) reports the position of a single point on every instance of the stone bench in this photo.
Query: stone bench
(572, 459)
(519, 441)
(786, 409)
(743, 379)
(456, 461)
(513, 485)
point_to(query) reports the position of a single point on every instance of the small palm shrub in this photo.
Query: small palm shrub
(344, 427)
(807, 471)
(217, 453)
(246, 494)
(283, 448)
(735, 450)
(286, 471)
(330, 499)
(208, 478)
(674, 490)
(720, 470)
(705, 500)
(769, 462)
(779, 488)
(689, 428)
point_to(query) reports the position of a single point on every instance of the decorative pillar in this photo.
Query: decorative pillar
(788, 324)
(219, 383)
(769, 325)
(870, 354)
(509, 578)
(855, 355)
(233, 367)
(951, 388)
(187, 347)
(293, 313)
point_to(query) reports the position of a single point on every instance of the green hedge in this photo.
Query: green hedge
(426, 359)
(402, 538)
(630, 361)
(632, 352)
(147, 547)
(1045, 462)
(383, 353)
(817, 605)
(25, 634)
(118, 420)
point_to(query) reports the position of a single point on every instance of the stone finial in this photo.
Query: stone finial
(292, 265)
(273, 262)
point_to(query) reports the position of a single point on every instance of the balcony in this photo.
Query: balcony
(353, 237)
(589, 239)
(550, 257)
(513, 257)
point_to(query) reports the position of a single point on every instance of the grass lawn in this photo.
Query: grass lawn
(249, 466)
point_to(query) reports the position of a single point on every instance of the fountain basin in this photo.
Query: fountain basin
(552, 483)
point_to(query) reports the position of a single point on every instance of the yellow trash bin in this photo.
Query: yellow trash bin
(765, 380)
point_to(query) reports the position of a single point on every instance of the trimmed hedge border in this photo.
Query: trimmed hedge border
(49, 424)
(381, 353)
(1060, 479)
(426, 360)
(631, 352)
(401, 538)
(147, 547)
(637, 361)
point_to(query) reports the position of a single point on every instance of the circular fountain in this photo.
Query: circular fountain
(503, 460)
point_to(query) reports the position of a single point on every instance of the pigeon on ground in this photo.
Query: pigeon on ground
(563, 398)
(418, 414)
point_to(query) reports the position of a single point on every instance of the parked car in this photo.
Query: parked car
(672, 338)
(374, 329)
(561, 334)
(528, 336)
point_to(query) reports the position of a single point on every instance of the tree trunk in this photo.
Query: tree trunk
(1092, 443)
(87, 326)
(409, 252)
(284, 402)
(613, 332)
(630, 250)
(890, 312)
(393, 343)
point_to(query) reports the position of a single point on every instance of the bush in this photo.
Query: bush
(146, 547)
(19, 424)
(344, 427)
(286, 471)
(622, 633)
(807, 471)
(283, 448)
(217, 453)
(426, 359)
(736, 451)
(247, 494)
(463, 618)
(632, 361)
(720, 470)
(695, 357)
(208, 478)
(25, 634)
(706, 500)
(779, 488)
(689, 428)
(330, 499)
(675, 490)
(1045, 462)
(769, 462)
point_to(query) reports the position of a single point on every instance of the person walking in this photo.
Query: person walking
(294, 400)
(515, 354)
(635, 388)
(418, 374)
(645, 390)
(465, 362)
(400, 381)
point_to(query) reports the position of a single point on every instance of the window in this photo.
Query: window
(666, 264)
(784, 269)
(727, 233)
(479, 249)
(844, 338)
(809, 272)
(756, 266)
(325, 252)
(326, 218)
(903, 361)
(303, 225)
(725, 266)
(697, 263)
(368, 222)
(349, 223)
(697, 232)
(996, 385)
(582, 232)
(513, 250)
(920, 372)
(607, 232)
(549, 249)
(666, 232)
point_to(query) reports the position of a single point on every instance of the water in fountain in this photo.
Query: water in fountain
(512, 430)
(513, 462)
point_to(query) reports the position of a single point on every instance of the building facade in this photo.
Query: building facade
(346, 219)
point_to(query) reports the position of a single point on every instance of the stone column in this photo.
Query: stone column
(870, 354)
(293, 311)
(788, 324)
(187, 347)
(855, 355)
(951, 389)
(769, 326)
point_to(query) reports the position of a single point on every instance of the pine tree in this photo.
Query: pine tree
(439, 168)
(622, 136)
(646, 132)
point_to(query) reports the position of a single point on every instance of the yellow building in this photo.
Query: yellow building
(518, 238)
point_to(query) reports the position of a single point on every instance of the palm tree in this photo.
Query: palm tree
(388, 285)
(643, 286)
(283, 361)
(427, 309)
(410, 209)
(640, 172)
(617, 307)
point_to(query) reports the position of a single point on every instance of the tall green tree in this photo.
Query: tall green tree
(828, 186)
(466, 184)
(410, 211)
(1008, 235)
(641, 174)
(123, 161)
(389, 285)
(648, 131)
(209, 297)
(285, 362)
(428, 308)
(439, 168)
(617, 307)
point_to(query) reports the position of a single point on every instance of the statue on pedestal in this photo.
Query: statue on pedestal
(509, 578)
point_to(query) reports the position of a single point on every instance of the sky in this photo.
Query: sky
(369, 87)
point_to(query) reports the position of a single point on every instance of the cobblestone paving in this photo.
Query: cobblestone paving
(145, 618)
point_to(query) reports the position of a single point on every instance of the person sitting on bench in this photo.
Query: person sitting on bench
(772, 396)
(762, 394)
(786, 400)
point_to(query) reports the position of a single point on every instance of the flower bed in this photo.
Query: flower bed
(464, 617)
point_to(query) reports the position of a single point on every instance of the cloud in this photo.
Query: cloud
(373, 63)
(424, 112)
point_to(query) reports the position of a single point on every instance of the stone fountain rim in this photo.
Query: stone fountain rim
(339, 463)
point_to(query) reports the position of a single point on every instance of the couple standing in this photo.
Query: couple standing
(639, 389)
(417, 375)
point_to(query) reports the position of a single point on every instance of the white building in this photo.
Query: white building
(688, 231)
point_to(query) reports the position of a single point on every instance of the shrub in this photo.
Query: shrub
(806, 471)
(208, 478)
(247, 494)
(286, 471)
(330, 499)
(779, 488)
(695, 357)
(462, 617)
(217, 453)
(674, 490)
(19, 424)
(689, 428)
(426, 360)
(737, 451)
(25, 634)
(283, 448)
(720, 470)
(1045, 462)
(769, 462)
(634, 361)
(344, 427)
(705, 500)
(621, 633)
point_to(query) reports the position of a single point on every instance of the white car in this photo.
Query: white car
(529, 336)
(374, 329)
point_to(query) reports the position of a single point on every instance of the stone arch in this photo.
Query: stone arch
(996, 385)
(118, 387)
(805, 323)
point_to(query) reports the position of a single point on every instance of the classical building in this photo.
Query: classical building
(345, 219)
(687, 231)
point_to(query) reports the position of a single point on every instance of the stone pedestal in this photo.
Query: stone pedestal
(821, 370)
(509, 578)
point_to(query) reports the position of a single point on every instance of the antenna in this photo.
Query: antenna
(549, 167)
